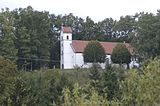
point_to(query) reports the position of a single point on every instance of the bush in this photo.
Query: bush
(95, 77)
(7, 68)
(20, 93)
(7, 73)
(110, 82)
(142, 88)
(121, 55)
(77, 97)
(46, 86)
(94, 52)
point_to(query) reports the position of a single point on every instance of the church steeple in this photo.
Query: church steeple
(66, 33)
(66, 50)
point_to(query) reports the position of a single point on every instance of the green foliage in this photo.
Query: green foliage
(7, 73)
(94, 52)
(95, 77)
(125, 26)
(7, 36)
(147, 40)
(81, 76)
(106, 82)
(7, 68)
(39, 90)
(19, 93)
(115, 87)
(31, 38)
(110, 82)
(135, 89)
(32, 30)
(57, 83)
(78, 98)
(142, 88)
(46, 86)
(88, 27)
(106, 28)
(120, 54)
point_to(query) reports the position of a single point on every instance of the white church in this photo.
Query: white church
(72, 51)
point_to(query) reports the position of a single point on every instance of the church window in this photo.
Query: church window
(67, 37)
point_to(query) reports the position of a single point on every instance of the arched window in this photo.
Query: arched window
(67, 37)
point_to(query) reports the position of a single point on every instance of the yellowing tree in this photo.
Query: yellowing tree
(142, 88)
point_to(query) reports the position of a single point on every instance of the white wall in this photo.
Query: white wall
(66, 51)
(68, 55)
(69, 36)
(109, 58)
(78, 59)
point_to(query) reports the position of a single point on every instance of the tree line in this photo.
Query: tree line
(31, 38)
(112, 86)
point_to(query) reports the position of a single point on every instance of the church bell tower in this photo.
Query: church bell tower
(66, 50)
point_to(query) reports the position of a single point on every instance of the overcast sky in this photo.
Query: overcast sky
(95, 9)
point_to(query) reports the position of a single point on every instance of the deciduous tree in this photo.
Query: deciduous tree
(147, 39)
(7, 35)
(94, 52)
(121, 55)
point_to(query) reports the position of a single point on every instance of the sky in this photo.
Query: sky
(95, 9)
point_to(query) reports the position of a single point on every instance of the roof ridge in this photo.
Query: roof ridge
(98, 41)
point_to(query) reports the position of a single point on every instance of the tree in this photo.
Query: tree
(32, 38)
(56, 85)
(88, 29)
(78, 28)
(94, 52)
(95, 77)
(7, 69)
(142, 87)
(124, 27)
(110, 81)
(121, 55)
(107, 29)
(7, 73)
(7, 36)
(20, 93)
(147, 40)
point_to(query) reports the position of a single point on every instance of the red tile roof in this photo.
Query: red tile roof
(79, 46)
(67, 30)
